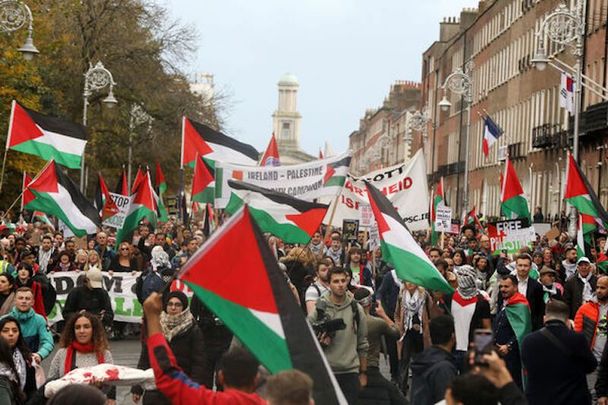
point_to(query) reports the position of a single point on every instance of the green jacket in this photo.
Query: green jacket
(348, 344)
(35, 332)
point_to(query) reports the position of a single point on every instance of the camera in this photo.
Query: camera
(329, 327)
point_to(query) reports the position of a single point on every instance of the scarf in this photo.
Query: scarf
(549, 292)
(20, 366)
(587, 290)
(173, 325)
(467, 286)
(5, 371)
(412, 304)
(160, 258)
(81, 348)
(43, 258)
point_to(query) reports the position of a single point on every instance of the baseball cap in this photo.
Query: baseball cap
(94, 276)
(583, 260)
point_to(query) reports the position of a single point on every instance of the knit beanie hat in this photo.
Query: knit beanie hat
(180, 296)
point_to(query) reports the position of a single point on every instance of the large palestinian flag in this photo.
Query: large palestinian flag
(47, 137)
(264, 316)
(143, 206)
(291, 219)
(199, 139)
(56, 194)
(518, 313)
(399, 247)
(203, 182)
(579, 193)
(513, 203)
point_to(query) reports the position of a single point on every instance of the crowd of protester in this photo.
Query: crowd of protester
(428, 338)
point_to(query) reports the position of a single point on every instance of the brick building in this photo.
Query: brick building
(380, 140)
(496, 43)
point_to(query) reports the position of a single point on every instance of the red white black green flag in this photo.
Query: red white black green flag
(264, 316)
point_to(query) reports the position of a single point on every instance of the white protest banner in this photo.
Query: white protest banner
(123, 203)
(404, 184)
(443, 218)
(307, 181)
(120, 288)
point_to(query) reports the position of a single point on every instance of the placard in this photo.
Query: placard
(123, 203)
(443, 218)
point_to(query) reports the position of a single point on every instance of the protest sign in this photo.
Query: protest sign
(120, 288)
(510, 235)
(306, 181)
(443, 218)
(367, 216)
(405, 185)
(350, 229)
(123, 203)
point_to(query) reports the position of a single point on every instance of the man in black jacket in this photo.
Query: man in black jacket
(557, 360)
(434, 369)
(575, 291)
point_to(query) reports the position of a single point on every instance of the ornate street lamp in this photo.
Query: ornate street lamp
(460, 83)
(13, 16)
(95, 79)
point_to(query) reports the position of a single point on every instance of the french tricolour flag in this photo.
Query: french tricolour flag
(491, 133)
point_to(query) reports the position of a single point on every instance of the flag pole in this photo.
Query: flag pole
(331, 216)
(3, 167)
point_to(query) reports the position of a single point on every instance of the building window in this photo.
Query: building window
(286, 130)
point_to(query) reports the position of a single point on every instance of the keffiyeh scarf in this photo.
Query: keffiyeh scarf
(173, 325)
(412, 304)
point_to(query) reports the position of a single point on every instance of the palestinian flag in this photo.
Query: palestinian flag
(320, 154)
(47, 137)
(513, 203)
(462, 310)
(438, 198)
(139, 177)
(471, 218)
(56, 194)
(161, 188)
(42, 217)
(264, 316)
(582, 238)
(27, 196)
(203, 182)
(122, 187)
(291, 219)
(103, 200)
(199, 139)
(143, 206)
(271, 156)
(580, 195)
(518, 314)
(335, 173)
(602, 262)
(399, 247)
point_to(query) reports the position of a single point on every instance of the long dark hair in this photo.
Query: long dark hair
(6, 358)
(100, 340)
(21, 345)
(10, 280)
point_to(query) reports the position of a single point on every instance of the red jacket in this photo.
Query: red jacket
(586, 320)
(180, 389)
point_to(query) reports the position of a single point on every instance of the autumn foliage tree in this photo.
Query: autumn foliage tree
(146, 51)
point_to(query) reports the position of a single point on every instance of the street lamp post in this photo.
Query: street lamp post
(96, 78)
(565, 27)
(418, 122)
(460, 83)
(137, 117)
(13, 16)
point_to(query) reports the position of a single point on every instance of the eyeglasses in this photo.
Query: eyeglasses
(175, 304)
(124, 248)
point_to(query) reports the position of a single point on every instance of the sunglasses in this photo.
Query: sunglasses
(125, 248)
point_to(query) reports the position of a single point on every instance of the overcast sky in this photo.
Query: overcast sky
(345, 54)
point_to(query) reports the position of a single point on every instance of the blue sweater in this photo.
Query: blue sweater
(35, 332)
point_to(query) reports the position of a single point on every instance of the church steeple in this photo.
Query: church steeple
(286, 119)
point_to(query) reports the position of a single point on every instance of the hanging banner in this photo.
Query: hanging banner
(120, 288)
(405, 185)
(320, 178)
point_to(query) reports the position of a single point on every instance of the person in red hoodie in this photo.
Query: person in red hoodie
(238, 372)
